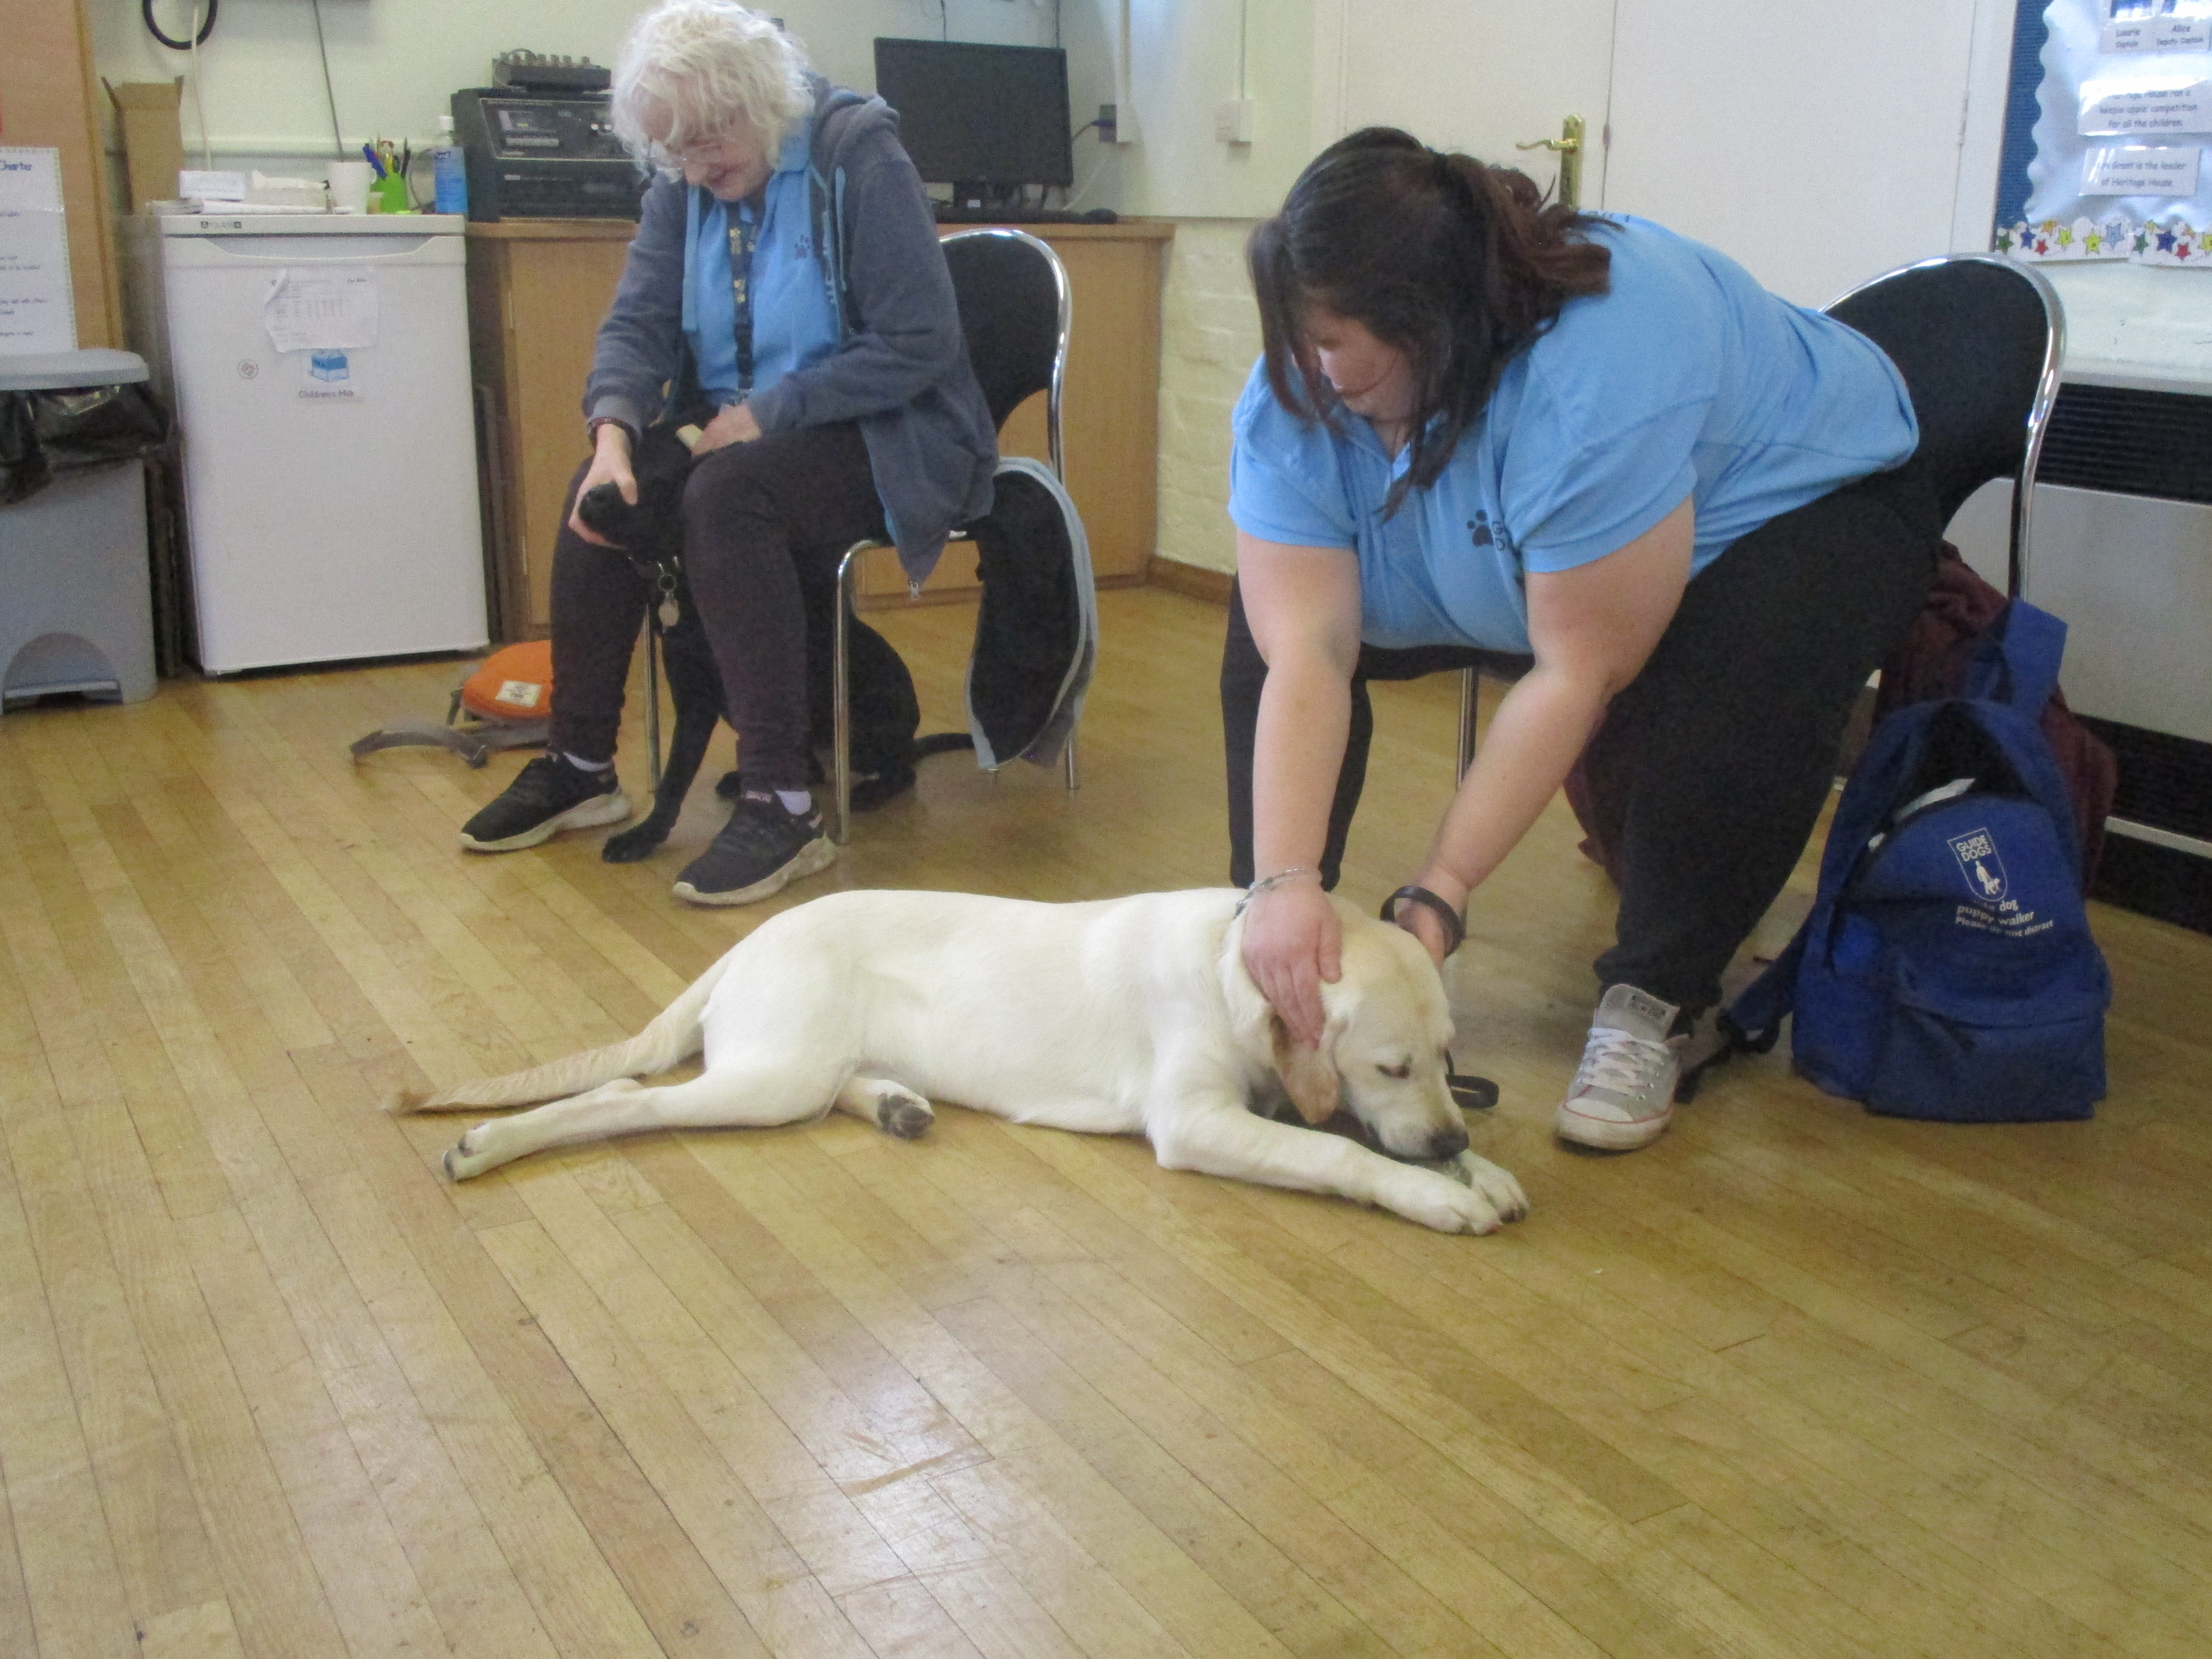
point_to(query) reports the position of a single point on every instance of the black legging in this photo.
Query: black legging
(1730, 734)
(765, 525)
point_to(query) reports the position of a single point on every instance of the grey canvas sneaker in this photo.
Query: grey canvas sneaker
(1623, 1096)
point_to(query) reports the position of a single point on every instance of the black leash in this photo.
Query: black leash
(1475, 1094)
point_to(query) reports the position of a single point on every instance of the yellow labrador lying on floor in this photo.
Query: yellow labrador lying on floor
(1127, 1016)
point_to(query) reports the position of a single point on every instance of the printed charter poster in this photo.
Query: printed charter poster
(37, 311)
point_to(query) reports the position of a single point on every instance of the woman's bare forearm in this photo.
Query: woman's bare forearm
(1531, 746)
(1305, 716)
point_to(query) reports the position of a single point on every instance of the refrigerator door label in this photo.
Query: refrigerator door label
(333, 306)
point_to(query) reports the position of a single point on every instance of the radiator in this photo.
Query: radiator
(2123, 552)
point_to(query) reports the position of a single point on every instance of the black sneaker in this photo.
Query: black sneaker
(762, 849)
(548, 796)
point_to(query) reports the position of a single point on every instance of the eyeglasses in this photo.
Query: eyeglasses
(707, 152)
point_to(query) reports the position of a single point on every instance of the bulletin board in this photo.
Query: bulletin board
(2114, 153)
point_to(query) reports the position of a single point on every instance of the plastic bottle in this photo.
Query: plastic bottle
(448, 171)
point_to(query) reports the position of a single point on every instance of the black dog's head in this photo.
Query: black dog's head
(653, 529)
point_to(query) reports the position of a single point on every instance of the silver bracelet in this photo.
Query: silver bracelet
(1265, 881)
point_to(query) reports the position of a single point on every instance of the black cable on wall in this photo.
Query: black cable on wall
(207, 28)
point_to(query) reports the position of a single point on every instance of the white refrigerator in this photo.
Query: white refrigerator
(319, 366)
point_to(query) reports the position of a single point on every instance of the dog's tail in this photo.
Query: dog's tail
(674, 1035)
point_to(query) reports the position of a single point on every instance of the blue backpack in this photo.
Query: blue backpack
(1948, 970)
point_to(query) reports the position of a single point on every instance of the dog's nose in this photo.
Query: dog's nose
(1447, 1144)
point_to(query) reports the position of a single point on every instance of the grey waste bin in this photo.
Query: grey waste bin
(76, 608)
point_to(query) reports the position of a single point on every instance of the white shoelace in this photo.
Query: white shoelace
(1622, 1063)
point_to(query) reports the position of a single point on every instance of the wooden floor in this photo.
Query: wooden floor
(1793, 1381)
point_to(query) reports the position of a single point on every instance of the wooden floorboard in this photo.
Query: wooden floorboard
(1793, 1381)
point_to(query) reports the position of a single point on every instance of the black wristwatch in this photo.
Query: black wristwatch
(1455, 929)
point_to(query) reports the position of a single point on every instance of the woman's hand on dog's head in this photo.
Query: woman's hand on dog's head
(1292, 945)
(609, 464)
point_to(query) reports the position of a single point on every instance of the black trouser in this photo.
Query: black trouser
(1730, 733)
(765, 524)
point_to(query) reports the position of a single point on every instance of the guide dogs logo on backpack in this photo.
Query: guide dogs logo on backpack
(1978, 856)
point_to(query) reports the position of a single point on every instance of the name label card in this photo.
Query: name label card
(2134, 170)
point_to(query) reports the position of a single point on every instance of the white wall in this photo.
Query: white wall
(394, 64)
(1819, 146)
(1209, 336)
(1817, 151)
(1184, 62)
(1185, 58)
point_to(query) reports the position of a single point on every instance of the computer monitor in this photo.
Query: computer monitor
(985, 119)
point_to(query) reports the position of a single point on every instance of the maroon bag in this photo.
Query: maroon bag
(1931, 664)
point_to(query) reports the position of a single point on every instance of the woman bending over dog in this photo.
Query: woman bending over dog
(1485, 423)
(787, 272)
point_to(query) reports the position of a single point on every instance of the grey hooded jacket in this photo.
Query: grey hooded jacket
(901, 371)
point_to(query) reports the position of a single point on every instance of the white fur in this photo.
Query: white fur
(1123, 1017)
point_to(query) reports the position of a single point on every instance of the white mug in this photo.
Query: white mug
(348, 184)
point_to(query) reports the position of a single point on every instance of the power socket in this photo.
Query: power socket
(1232, 121)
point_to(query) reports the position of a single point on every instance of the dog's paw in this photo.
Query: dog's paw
(465, 1158)
(902, 1112)
(640, 841)
(1498, 1185)
(1441, 1202)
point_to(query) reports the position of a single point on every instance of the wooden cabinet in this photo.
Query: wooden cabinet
(537, 290)
(539, 287)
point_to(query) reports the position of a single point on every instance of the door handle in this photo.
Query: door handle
(1568, 144)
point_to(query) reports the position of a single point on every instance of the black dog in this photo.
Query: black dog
(652, 534)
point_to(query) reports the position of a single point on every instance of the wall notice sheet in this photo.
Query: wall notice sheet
(38, 308)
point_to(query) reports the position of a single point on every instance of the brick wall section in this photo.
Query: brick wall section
(1210, 334)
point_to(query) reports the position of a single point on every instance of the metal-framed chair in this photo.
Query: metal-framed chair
(1979, 339)
(1012, 294)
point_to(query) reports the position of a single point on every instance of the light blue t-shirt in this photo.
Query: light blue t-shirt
(795, 315)
(1686, 380)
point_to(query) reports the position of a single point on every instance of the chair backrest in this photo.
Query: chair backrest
(1977, 340)
(1012, 294)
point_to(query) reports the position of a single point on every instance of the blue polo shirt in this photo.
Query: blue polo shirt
(795, 316)
(1685, 381)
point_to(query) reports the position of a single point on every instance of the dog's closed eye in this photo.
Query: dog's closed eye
(1404, 1068)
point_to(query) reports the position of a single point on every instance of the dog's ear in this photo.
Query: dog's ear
(1309, 1075)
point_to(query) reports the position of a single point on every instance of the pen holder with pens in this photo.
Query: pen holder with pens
(389, 193)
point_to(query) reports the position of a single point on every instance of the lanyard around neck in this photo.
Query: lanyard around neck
(744, 230)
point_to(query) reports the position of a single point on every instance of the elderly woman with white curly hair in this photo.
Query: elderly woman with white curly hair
(786, 273)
